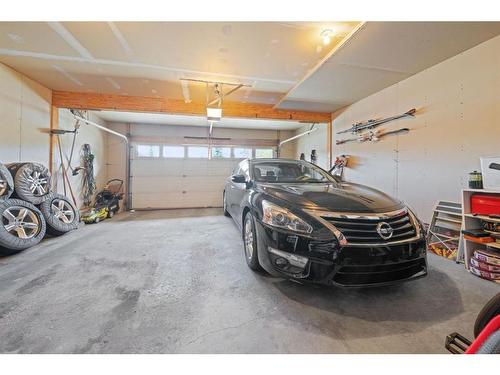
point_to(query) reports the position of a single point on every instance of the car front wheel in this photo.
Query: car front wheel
(250, 243)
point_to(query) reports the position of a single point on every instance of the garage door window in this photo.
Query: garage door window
(221, 152)
(197, 152)
(173, 151)
(264, 153)
(148, 151)
(242, 153)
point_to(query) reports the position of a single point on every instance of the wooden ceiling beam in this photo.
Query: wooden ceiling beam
(112, 102)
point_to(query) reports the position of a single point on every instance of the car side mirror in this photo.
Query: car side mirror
(238, 179)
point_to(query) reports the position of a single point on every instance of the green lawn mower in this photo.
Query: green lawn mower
(107, 202)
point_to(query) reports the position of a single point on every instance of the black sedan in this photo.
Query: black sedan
(299, 222)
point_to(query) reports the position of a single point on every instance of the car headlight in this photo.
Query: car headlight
(280, 217)
(419, 225)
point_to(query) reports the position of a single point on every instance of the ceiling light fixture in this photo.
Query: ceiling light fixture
(326, 36)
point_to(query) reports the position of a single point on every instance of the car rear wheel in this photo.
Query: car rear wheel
(250, 243)
(224, 205)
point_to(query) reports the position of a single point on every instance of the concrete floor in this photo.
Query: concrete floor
(177, 282)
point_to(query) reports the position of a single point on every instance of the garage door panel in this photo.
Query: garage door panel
(157, 184)
(203, 199)
(204, 183)
(195, 167)
(179, 183)
(153, 167)
(189, 199)
(221, 167)
(163, 200)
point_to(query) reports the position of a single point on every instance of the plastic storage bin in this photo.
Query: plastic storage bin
(483, 204)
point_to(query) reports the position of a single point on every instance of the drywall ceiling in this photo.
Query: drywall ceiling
(380, 54)
(165, 119)
(285, 63)
(149, 58)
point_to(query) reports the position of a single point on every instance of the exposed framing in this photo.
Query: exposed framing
(93, 101)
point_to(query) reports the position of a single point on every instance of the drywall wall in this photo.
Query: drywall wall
(24, 110)
(316, 140)
(87, 134)
(457, 121)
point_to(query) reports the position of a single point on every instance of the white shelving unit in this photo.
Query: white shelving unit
(470, 221)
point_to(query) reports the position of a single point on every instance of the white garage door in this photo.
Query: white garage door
(182, 176)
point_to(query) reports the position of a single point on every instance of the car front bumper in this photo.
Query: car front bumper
(323, 261)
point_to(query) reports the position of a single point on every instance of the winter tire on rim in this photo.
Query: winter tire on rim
(31, 181)
(21, 225)
(250, 243)
(60, 214)
(6, 183)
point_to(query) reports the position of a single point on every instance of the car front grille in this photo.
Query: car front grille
(363, 229)
(377, 274)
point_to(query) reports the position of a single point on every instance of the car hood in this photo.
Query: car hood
(345, 197)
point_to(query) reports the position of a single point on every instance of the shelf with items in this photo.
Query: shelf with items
(472, 221)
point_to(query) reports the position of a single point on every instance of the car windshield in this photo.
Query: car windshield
(291, 172)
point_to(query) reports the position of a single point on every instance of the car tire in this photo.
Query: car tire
(22, 225)
(97, 219)
(6, 183)
(224, 205)
(488, 312)
(111, 214)
(31, 181)
(250, 242)
(60, 214)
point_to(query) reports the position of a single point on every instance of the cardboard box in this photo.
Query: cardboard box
(491, 177)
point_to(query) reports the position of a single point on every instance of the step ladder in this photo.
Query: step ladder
(449, 214)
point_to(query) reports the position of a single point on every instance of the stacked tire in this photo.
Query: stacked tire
(29, 209)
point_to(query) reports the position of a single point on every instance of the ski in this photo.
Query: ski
(371, 136)
(370, 124)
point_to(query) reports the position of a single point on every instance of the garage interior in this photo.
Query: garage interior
(167, 274)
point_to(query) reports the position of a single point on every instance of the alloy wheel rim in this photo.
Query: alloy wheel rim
(21, 222)
(248, 239)
(63, 211)
(3, 186)
(224, 204)
(38, 183)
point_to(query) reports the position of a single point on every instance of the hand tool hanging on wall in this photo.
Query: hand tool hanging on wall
(58, 132)
(65, 178)
(370, 124)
